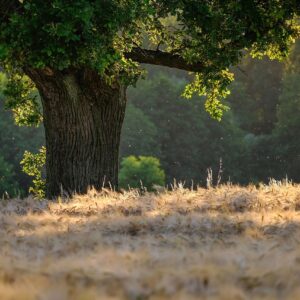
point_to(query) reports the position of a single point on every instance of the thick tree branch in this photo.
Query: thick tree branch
(161, 58)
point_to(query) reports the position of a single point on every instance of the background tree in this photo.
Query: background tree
(255, 94)
(141, 172)
(188, 141)
(286, 133)
(139, 133)
(81, 56)
(8, 185)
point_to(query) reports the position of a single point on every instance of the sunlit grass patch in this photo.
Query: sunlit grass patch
(228, 242)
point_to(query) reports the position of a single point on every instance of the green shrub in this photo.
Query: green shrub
(33, 165)
(141, 171)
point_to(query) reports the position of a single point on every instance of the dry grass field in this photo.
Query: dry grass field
(220, 243)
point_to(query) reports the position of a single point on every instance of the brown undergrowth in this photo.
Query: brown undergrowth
(220, 243)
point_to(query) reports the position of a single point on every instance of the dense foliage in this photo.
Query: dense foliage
(142, 172)
(109, 36)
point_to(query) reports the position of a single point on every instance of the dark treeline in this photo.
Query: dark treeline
(257, 139)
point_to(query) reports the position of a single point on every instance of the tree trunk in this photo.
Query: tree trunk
(83, 116)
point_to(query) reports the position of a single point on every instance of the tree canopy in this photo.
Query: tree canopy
(113, 36)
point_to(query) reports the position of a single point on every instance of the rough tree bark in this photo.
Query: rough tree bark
(83, 116)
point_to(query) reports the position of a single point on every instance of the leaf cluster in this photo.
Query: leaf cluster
(33, 165)
(22, 98)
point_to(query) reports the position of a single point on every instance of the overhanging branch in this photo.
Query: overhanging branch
(161, 58)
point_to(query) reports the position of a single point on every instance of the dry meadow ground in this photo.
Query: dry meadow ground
(224, 243)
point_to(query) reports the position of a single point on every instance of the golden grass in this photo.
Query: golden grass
(224, 243)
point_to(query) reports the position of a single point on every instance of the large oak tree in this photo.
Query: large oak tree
(81, 56)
